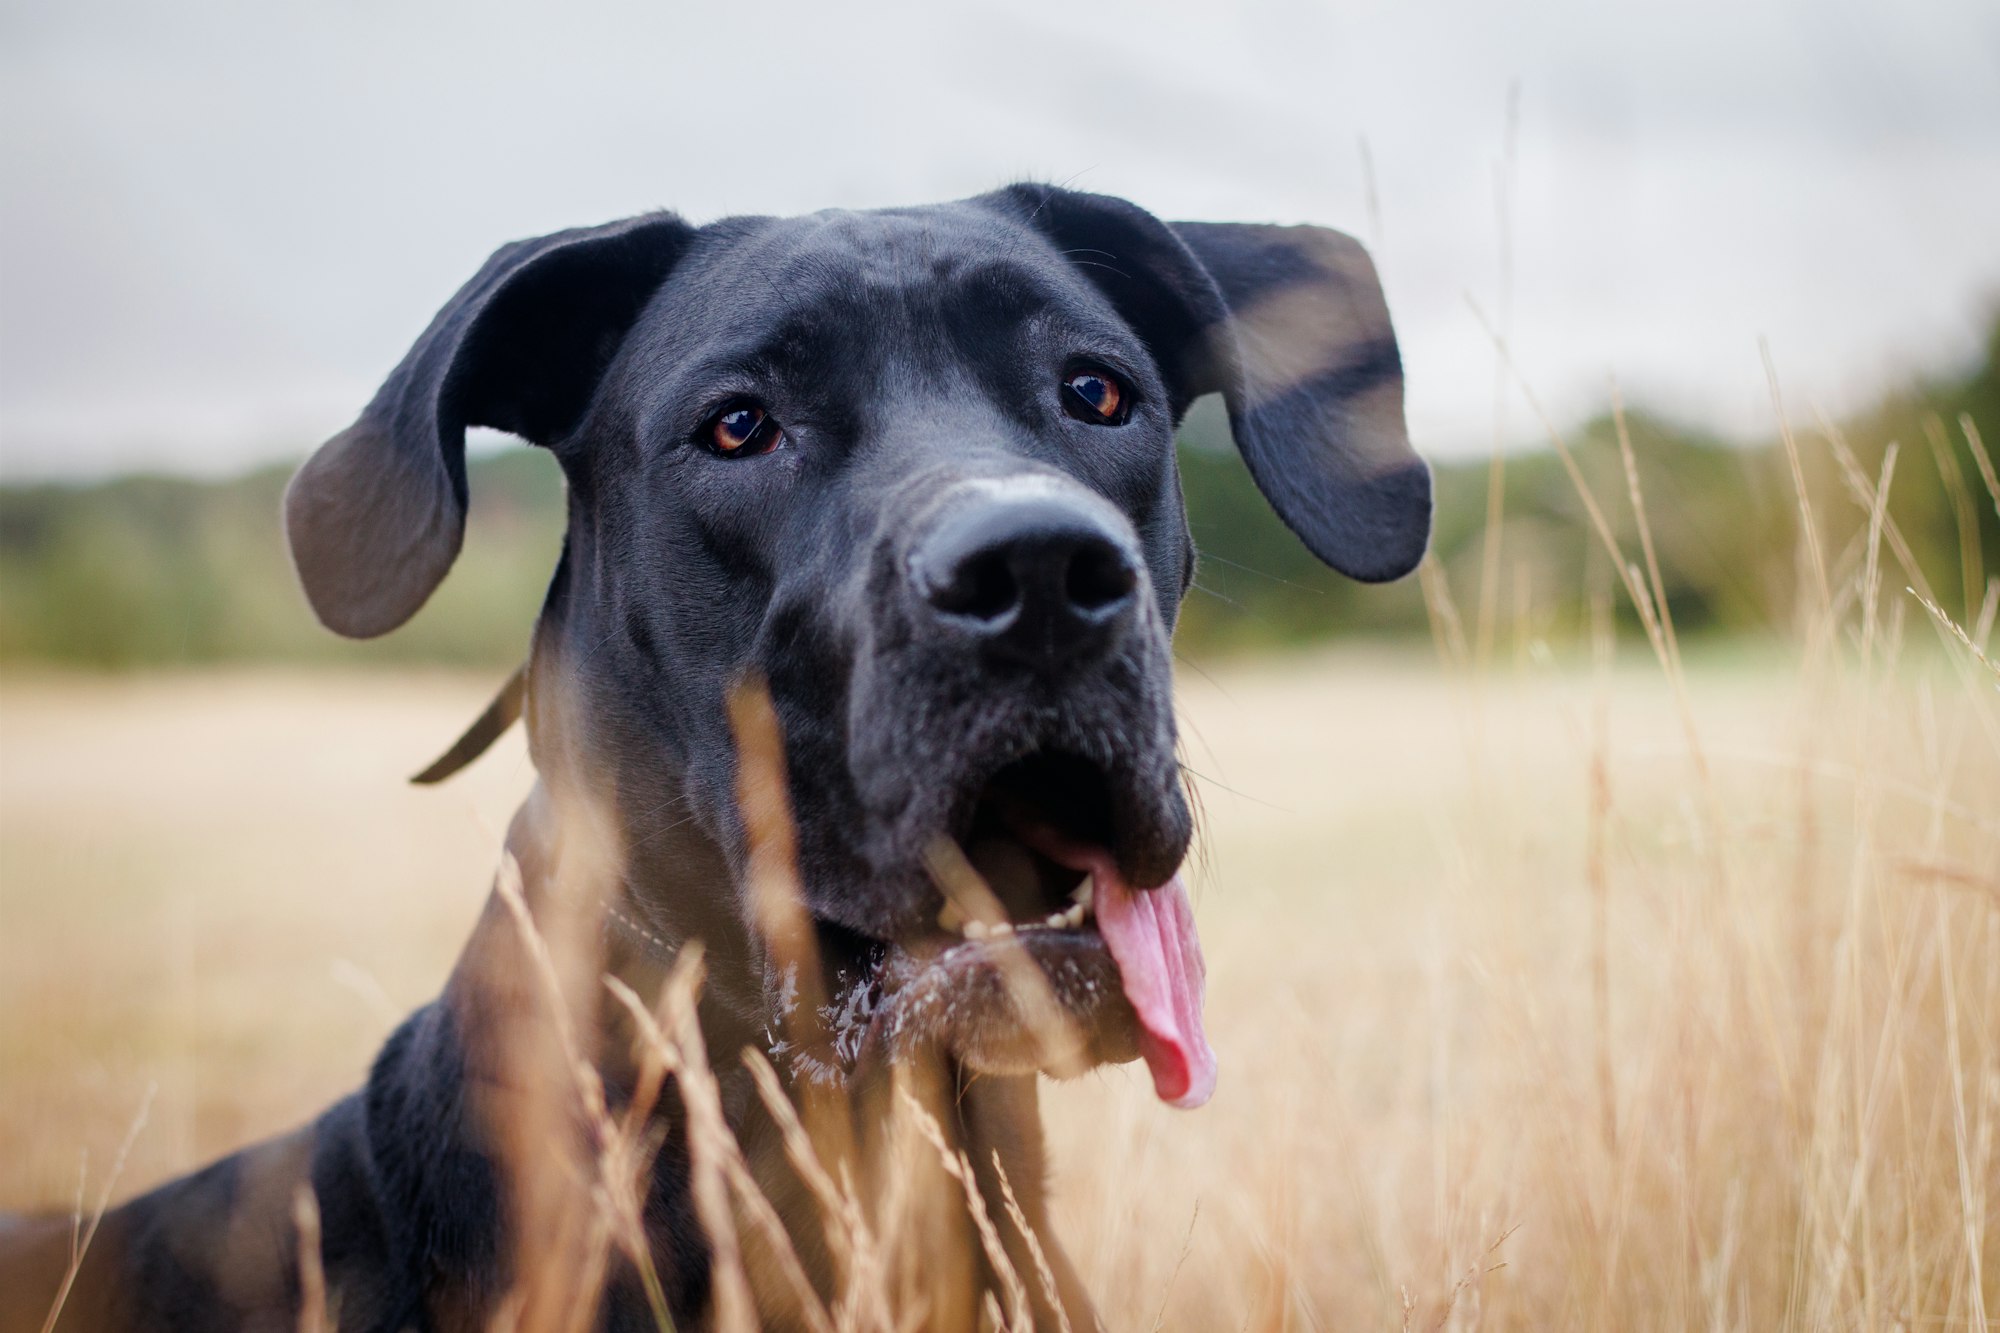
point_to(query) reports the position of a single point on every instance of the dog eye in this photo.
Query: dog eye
(742, 430)
(1094, 395)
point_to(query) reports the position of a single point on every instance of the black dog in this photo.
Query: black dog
(915, 470)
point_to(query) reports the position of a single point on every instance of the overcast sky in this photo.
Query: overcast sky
(222, 222)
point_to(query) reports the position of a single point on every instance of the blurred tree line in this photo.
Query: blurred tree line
(152, 571)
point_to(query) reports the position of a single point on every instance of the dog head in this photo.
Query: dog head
(915, 468)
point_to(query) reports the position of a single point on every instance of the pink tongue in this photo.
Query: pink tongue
(1150, 933)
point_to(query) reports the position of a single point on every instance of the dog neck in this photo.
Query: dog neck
(608, 913)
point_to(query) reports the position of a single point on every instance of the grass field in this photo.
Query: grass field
(1543, 1000)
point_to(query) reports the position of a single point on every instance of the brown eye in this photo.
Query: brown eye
(1096, 396)
(742, 431)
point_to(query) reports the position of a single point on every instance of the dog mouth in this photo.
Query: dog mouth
(1044, 955)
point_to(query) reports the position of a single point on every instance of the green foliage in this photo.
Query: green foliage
(154, 571)
(1724, 519)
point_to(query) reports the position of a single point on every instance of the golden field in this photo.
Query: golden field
(1547, 996)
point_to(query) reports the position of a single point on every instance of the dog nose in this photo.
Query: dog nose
(1040, 579)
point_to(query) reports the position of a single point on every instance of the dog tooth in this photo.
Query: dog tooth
(1074, 916)
(999, 928)
(975, 930)
(1083, 893)
(1057, 919)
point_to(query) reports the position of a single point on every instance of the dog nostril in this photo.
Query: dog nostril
(1040, 578)
(1099, 576)
(983, 588)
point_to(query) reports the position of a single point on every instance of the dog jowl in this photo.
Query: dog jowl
(914, 471)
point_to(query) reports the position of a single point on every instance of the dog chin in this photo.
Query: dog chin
(1049, 951)
(979, 1001)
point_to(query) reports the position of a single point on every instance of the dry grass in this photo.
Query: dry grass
(1547, 995)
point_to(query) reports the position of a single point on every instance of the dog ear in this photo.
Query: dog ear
(1289, 325)
(376, 516)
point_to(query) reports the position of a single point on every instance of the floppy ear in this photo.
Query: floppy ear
(376, 516)
(1289, 325)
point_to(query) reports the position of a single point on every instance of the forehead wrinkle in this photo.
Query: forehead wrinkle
(804, 343)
